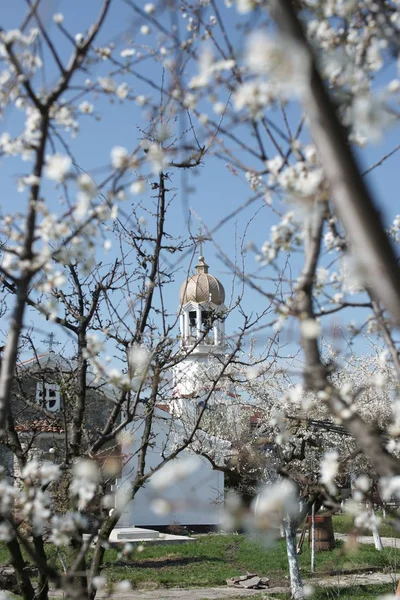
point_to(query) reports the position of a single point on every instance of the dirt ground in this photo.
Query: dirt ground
(220, 593)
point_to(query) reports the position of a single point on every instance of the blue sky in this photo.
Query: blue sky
(215, 192)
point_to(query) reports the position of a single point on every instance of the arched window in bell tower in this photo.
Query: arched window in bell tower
(207, 320)
(192, 323)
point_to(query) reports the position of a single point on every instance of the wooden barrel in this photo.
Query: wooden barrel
(324, 536)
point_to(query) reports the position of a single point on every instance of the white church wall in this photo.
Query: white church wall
(193, 375)
(188, 375)
(196, 500)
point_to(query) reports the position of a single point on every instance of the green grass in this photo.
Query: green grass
(212, 559)
(345, 524)
(4, 556)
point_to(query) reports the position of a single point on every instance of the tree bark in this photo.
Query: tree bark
(377, 539)
(351, 197)
(23, 578)
(296, 582)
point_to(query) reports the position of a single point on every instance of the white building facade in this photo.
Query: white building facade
(197, 499)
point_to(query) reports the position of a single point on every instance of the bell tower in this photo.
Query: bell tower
(202, 330)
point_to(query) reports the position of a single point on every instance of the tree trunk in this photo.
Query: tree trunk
(377, 539)
(375, 530)
(296, 583)
(22, 576)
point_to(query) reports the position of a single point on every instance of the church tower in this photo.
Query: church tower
(202, 333)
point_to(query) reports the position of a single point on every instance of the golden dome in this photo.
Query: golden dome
(202, 287)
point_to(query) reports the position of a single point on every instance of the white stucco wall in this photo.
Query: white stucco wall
(196, 371)
(195, 500)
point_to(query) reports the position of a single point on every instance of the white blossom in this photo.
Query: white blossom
(140, 100)
(40, 473)
(273, 504)
(175, 471)
(57, 167)
(58, 18)
(137, 187)
(99, 582)
(367, 520)
(107, 84)
(219, 108)
(390, 487)
(394, 86)
(254, 96)
(329, 470)
(79, 39)
(28, 180)
(7, 496)
(370, 116)
(139, 358)
(208, 66)
(117, 377)
(86, 108)
(84, 483)
(6, 532)
(128, 52)
(123, 586)
(160, 506)
(156, 156)
(87, 191)
(119, 157)
(310, 328)
(54, 280)
(282, 60)
(190, 101)
(244, 6)
(353, 275)
(122, 91)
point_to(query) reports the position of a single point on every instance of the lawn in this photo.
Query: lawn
(211, 559)
(344, 524)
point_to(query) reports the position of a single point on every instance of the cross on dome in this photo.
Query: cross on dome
(51, 341)
(201, 238)
(202, 266)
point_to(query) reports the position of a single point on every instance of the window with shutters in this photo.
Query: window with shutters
(48, 395)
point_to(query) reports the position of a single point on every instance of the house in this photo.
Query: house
(44, 393)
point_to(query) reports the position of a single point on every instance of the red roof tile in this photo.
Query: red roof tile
(164, 407)
(40, 426)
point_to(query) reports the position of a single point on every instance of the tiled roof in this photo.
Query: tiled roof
(164, 407)
(40, 426)
(34, 359)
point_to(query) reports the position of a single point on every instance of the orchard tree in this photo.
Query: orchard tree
(55, 264)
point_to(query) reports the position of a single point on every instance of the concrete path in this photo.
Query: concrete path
(343, 581)
(215, 593)
(219, 593)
